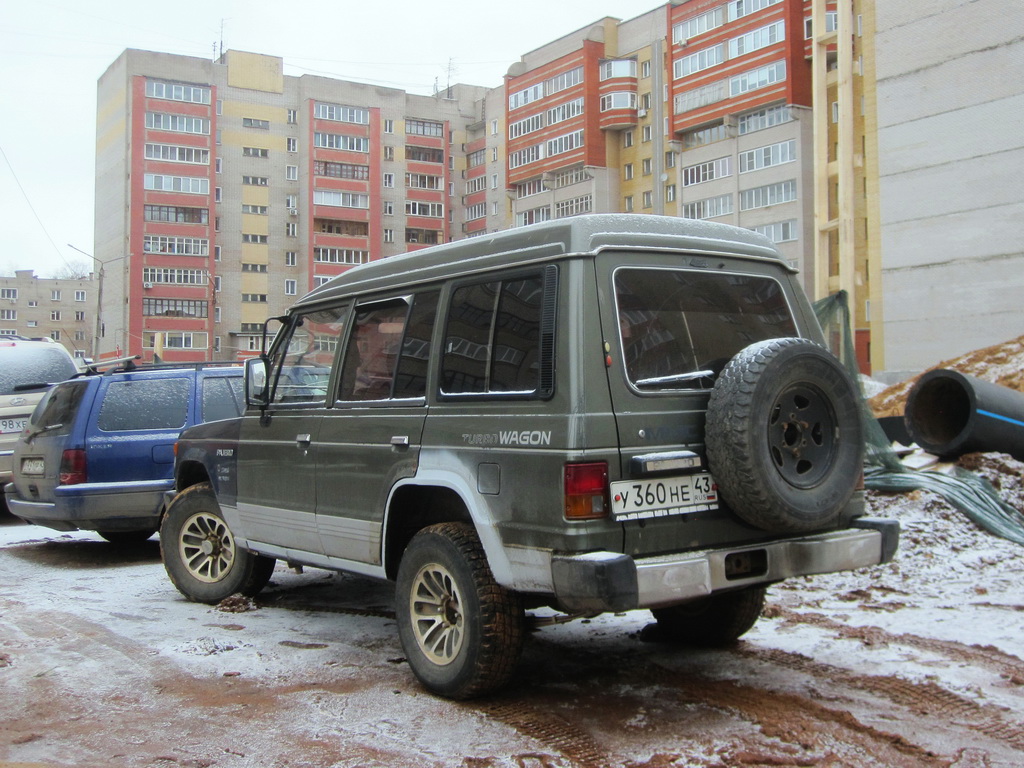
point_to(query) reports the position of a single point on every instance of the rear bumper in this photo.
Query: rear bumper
(603, 581)
(94, 506)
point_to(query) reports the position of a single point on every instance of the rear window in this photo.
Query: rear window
(679, 328)
(27, 364)
(144, 404)
(56, 411)
(222, 398)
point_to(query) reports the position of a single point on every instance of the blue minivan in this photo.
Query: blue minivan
(98, 451)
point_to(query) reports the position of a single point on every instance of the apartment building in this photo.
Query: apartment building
(225, 190)
(60, 309)
(229, 189)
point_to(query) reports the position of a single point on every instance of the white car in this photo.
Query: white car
(28, 367)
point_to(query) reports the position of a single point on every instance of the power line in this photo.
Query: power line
(32, 208)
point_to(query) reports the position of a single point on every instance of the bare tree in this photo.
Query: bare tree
(73, 270)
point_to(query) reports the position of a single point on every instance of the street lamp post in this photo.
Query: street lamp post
(99, 297)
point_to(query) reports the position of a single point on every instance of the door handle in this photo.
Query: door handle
(303, 441)
(400, 441)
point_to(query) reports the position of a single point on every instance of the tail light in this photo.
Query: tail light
(72, 467)
(586, 491)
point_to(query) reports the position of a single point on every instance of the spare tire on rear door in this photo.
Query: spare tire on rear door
(784, 437)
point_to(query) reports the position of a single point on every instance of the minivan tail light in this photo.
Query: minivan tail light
(586, 491)
(72, 467)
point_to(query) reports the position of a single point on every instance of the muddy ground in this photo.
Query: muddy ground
(916, 663)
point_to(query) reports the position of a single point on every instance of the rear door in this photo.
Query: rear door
(371, 436)
(135, 424)
(674, 321)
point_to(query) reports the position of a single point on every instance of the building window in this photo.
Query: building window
(565, 111)
(340, 256)
(389, 235)
(766, 157)
(702, 172)
(761, 77)
(216, 283)
(627, 171)
(757, 39)
(702, 136)
(418, 208)
(293, 116)
(340, 199)
(647, 199)
(189, 184)
(740, 8)
(9, 293)
(389, 180)
(618, 100)
(216, 314)
(709, 208)
(574, 207)
(618, 68)
(291, 258)
(627, 138)
(259, 210)
(670, 193)
(162, 121)
(216, 253)
(55, 314)
(697, 25)
(176, 214)
(256, 181)
(699, 61)
(341, 114)
(476, 211)
(217, 194)
(763, 118)
(389, 153)
(195, 94)
(566, 143)
(174, 308)
(769, 194)
(9, 314)
(255, 152)
(424, 128)
(424, 154)
(291, 287)
(291, 173)
(252, 122)
(254, 298)
(292, 144)
(628, 204)
(55, 294)
(494, 127)
(670, 159)
(256, 239)
(388, 208)
(55, 335)
(389, 126)
(218, 165)
(178, 246)
(173, 153)
(79, 295)
(417, 181)
(645, 68)
(341, 170)
(175, 276)
(645, 166)
(779, 231)
(291, 229)
(341, 141)
(415, 236)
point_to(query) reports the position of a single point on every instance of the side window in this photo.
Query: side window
(373, 351)
(222, 398)
(144, 404)
(411, 379)
(302, 363)
(499, 337)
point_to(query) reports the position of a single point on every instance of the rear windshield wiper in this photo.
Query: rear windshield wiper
(47, 428)
(675, 378)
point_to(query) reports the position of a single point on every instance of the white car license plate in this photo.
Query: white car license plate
(7, 426)
(636, 499)
(32, 466)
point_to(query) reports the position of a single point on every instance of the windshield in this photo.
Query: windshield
(679, 328)
(22, 364)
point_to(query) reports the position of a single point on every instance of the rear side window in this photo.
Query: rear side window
(56, 412)
(679, 328)
(144, 404)
(222, 398)
(499, 337)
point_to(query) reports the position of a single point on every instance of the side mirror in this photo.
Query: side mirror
(256, 391)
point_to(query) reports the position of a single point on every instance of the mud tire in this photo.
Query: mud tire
(461, 631)
(200, 554)
(784, 438)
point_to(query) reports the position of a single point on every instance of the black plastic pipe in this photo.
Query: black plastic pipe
(950, 414)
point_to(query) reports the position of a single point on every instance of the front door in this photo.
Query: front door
(277, 448)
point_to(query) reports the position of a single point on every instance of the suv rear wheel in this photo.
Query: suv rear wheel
(200, 554)
(784, 436)
(714, 620)
(461, 631)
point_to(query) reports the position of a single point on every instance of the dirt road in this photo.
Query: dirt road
(102, 663)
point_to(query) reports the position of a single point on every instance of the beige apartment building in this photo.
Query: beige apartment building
(60, 309)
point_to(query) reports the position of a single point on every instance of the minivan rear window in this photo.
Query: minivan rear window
(679, 328)
(144, 404)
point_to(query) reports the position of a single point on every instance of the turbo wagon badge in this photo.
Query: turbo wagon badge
(527, 437)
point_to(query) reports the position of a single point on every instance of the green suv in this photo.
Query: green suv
(594, 414)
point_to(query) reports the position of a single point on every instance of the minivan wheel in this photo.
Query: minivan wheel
(715, 620)
(200, 554)
(461, 631)
(784, 437)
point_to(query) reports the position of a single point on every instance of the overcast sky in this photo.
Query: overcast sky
(52, 52)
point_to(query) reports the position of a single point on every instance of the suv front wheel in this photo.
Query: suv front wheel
(200, 554)
(461, 631)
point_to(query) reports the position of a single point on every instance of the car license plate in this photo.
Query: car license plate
(32, 466)
(636, 499)
(7, 426)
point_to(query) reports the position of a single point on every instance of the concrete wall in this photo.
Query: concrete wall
(951, 163)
